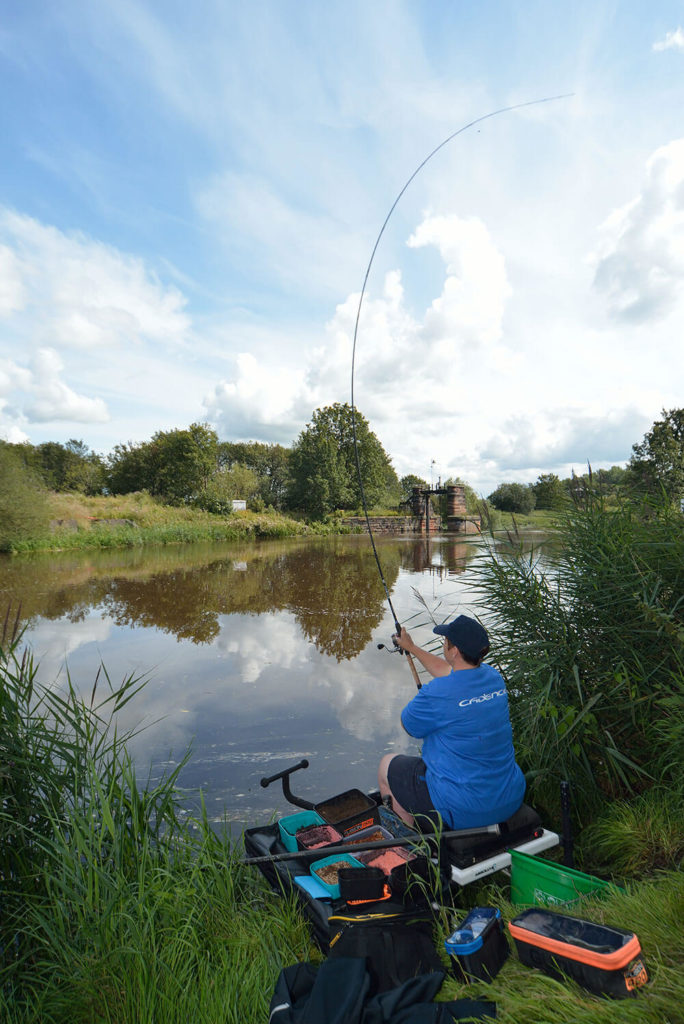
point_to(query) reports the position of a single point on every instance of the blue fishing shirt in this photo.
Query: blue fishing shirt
(463, 720)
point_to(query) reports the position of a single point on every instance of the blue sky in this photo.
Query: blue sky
(190, 195)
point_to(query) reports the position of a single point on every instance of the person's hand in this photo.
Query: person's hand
(403, 640)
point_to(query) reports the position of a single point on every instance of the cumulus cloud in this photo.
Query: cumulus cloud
(639, 265)
(262, 400)
(52, 399)
(560, 437)
(74, 310)
(476, 287)
(462, 323)
(84, 293)
(672, 41)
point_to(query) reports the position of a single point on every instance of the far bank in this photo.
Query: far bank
(80, 522)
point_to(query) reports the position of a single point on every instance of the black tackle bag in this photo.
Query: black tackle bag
(396, 941)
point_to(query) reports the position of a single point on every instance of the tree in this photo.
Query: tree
(657, 462)
(128, 468)
(408, 482)
(549, 491)
(237, 482)
(513, 497)
(181, 462)
(176, 465)
(269, 461)
(24, 509)
(323, 469)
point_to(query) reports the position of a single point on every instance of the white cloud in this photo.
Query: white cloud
(80, 319)
(640, 259)
(672, 41)
(268, 398)
(85, 294)
(476, 288)
(556, 438)
(264, 399)
(51, 399)
(12, 290)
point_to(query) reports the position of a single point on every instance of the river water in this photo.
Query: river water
(256, 655)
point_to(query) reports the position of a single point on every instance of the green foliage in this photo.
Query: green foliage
(115, 906)
(592, 645)
(228, 484)
(638, 836)
(658, 461)
(513, 497)
(408, 482)
(63, 467)
(175, 465)
(323, 467)
(549, 492)
(24, 510)
(269, 462)
(181, 462)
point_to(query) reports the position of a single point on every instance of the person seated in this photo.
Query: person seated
(467, 775)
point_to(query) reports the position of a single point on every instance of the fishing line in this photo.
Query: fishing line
(465, 127)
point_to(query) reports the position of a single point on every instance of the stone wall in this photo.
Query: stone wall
(393, 525)
(385, 524)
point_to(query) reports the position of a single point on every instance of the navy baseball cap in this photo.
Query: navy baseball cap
(467, 634)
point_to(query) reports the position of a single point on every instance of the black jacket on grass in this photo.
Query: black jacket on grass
(337, 992)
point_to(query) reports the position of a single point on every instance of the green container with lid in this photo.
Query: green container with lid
(544, 883)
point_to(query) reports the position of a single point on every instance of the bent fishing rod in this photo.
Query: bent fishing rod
(421, 165)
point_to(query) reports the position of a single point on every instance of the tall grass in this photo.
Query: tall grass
(591, 641)
(114, 906)
(652, 909)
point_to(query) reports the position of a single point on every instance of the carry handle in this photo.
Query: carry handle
(284, 776)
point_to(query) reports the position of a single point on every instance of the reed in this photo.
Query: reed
(115, 906)
(590, 641)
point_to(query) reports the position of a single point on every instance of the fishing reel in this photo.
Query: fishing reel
(395, 649)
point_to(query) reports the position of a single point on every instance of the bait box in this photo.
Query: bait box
(349, 812)
(289, 825)
(478, 947)
(364, 836)
(333, 889)
(361, 884)
(605, 961)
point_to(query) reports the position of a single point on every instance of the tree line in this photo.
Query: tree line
(335, 464)
(656, 466)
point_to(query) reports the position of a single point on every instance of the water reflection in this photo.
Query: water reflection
(256, 654)
(332, 586)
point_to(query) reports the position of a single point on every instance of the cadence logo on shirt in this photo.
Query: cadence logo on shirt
(481, 698)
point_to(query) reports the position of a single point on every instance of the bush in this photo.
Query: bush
(24, 510)
(513, 497)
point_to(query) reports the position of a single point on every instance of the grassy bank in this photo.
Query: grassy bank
(116, 908)
(79, 522)
(134, 520)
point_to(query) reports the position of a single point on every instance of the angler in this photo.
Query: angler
(467, 774)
